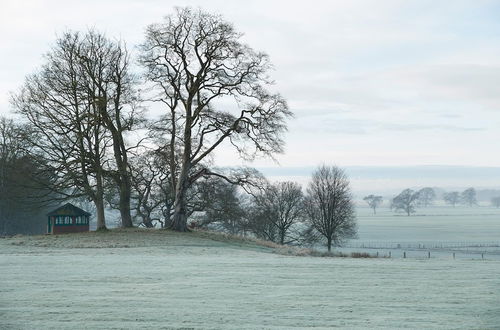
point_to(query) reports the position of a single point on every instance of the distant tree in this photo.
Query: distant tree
(406, 201)
(452, 198)
(495, 201)
(468, 197)
(329, 206)
(281, 205)
(373, 202)
(426, 196)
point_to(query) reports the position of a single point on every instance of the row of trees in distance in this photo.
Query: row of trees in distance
(408, 200)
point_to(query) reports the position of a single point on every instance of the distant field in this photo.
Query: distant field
(462, 228)
(163, 280)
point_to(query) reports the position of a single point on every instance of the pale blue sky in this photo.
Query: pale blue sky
(372, 83)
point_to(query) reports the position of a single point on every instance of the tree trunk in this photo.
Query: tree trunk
(125, 204)
(99, 203)
(329, 244)
(179, 218)
(282, 237)
(101, 220)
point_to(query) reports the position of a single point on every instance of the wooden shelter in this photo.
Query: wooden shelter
(67, 219)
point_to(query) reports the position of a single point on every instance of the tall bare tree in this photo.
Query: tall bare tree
(215, 91)
(79, 105)
(329, 205)
(104, 66)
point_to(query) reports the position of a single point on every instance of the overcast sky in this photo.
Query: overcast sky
(372, 83)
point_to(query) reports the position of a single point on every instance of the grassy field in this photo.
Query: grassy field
(162, 280)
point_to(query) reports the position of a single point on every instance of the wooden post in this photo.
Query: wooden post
(404, 255)
(482, 255)
(429, 254)
(389, 254)
(453, 255)
(377, 254)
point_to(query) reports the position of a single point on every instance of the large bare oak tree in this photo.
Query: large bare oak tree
(216, 91)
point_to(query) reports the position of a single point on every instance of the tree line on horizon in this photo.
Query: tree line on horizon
(408, 200)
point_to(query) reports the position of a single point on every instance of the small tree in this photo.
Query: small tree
(329, 206)
(452, 198)
(468, 197)
(280, 205)
(406, 201)
(373, 202)
(495, 201)
(426, 196)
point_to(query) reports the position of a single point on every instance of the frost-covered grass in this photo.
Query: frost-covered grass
(165, 280)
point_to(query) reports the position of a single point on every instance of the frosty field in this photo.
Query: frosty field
(140, 279)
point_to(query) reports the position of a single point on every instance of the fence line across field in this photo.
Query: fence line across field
(422, 245)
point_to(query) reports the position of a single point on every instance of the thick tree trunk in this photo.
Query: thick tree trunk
(125, 204)
(99, 203)
(329, 244)
(179, 219)
(101, 220)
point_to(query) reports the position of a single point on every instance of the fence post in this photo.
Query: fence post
(389, 254)
(404, 254)
(482, 255)
(377, 254)
(453, 255)
(429, 254)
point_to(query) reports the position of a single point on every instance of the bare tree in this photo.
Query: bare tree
(221, 203)
(452, 198)
(468, 197)
(329, 205)
(280, 205)
(373, 202)
(495, 201)
(426, 196)
(105, 71)
(406, 201)
(214, 89)
(80, 104)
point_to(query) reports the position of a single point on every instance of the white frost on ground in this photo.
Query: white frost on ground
(213, 285)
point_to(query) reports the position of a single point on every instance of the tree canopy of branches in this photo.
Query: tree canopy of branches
(222, 204)
(406, 201)
(23, 196)
(452, 198)
(468, 197)
(215, 90)
(426, 196)
(278, 208)
(329, 206)
(79, 105)
(373, 202)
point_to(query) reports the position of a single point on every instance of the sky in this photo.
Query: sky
(373, 84)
